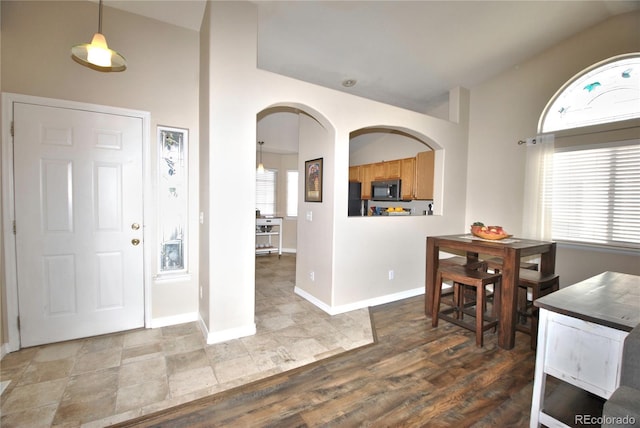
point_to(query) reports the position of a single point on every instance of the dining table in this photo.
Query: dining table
(510, 250)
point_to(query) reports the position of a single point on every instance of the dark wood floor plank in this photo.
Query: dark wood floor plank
(413, 376)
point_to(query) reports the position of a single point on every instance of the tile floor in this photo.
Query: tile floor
(102, 380)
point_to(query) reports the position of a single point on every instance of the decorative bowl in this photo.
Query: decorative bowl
(477, 231)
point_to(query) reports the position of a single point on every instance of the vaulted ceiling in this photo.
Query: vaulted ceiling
(404, 53)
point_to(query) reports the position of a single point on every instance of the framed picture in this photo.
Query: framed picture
(313, 180)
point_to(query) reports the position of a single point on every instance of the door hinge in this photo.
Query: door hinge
(12, 129)
(14, 227)
(18, 323)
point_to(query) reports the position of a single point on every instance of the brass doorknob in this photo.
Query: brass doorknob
(135, 241)
(135, 226)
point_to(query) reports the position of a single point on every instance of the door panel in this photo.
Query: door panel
(78, 186)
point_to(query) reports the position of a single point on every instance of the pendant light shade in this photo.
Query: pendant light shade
(97, 55)
(260, 165)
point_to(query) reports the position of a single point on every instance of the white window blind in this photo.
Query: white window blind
(292, 193)
(596, 195)
(266, 192)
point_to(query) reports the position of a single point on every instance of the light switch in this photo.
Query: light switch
(309, 215)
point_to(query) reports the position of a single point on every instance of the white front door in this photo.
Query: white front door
(78, 180)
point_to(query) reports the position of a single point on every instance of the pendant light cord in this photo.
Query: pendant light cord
(100, 16)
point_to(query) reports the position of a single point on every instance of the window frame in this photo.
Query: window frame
(289, 193)
(274, 182)
(620, 246)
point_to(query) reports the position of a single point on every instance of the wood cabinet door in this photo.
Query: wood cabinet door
(408, 177)
(354, 173)
(394, 169)
(366, 171)
(379, 171)
(424, 175)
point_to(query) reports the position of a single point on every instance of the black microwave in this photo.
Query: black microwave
(388, 190)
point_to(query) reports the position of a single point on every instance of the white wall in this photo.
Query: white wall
(161, 78)
(371, 147)
(507, 109)
(348, 255)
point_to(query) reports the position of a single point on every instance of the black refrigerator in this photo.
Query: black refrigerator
(357, 206)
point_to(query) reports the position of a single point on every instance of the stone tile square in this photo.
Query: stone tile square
(142, 352)
(58, 351)
(142, 394)
(225, 351)
(180, 330)
(102, 343)
(180, 344)
(237, 368)
(188, 381)
(142, 337)
(34, 395)
(144, 371)
(92, 386)
(78, 412)
(186, 361)
(98, 360)
(47, 370)
(40, 417)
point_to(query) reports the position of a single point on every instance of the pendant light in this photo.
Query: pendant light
(97, 55)
(260, 165)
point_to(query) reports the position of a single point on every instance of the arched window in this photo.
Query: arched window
(591, 190)
(606, 92)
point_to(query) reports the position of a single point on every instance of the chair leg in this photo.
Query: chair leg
(534, 328)
(497, 298)
(480, 293)
(436, 300)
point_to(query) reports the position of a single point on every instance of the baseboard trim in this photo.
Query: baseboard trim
(4, 350)
(174, 320)
(336, 310)
(225, 335)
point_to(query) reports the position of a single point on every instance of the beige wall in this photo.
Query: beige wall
(507, 109)
(3, 332)
(161, 78)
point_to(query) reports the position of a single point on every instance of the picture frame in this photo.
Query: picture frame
(313, 180)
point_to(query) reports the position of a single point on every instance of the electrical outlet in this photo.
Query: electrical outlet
(391, 275)
(312, 276)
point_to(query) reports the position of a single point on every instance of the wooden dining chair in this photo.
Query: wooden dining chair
(495, 264)
(464, 277)
(448, 289)
(531, 286)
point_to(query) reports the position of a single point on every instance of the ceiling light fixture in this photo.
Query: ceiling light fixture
(260, 165)
(349, 83)
(97, 55)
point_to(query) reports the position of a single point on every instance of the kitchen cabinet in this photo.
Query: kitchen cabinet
(416, 174)
(408, 178)
(269, 235)
(354, 173)
(387, 170)
(366, 172)
(425, 162)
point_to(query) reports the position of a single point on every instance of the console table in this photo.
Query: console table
(265, 227)
(580, 338)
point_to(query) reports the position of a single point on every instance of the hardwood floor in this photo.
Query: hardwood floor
(412, 376)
